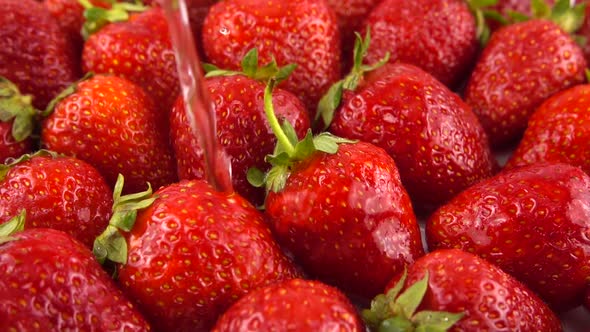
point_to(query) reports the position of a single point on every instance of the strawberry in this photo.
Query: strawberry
(69, 14)
(17, 115)
(293, 305)
(456, 291)
(303, 32)
(35, 53)
(558, 131)
(435, 139)
(190, 253)
(439, 36)
(137, 48)
(57, 192)
(242, 129)
(533, 222)
(522, 65)
(338, 208)
(51, 282)
(112, 124)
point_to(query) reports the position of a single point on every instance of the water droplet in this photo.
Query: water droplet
(224, 31)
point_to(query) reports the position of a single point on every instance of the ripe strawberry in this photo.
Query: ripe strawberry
(558, 131)
(35, 54)
(69, 14)
(533, 222)
(191, 253)
(438, 36)
(437, 142)
(242, 129)
(293, 305)
(304, 32)
(111, 123)
(16, 121)
(51, 282)
(138, 49)
(473, 295)
(338, 208)
(522, 65)
(57, 192)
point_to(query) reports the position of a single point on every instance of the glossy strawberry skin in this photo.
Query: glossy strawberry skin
(347, 219)
(558, 131)
(196, 251)
(34, 52)
(437, 142)
(304, 32)
(111, 124)
(491, 299)
(62, 193)
(293, 305)
(51, 282)
(139, 50)
(438, 36)
(242, 130)
(533, 222)
(9, 147)
(522, 65)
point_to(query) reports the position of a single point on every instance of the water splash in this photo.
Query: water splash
(198, 105)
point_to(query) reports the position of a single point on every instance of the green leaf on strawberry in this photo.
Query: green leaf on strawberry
(251, 68)
(111, 244)
(397, 312)
(17, 107)
(14, 225)
(97, 17)
(332, 99)
(289, 149)
(4, 168)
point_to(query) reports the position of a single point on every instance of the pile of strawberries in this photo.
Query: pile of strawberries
(348, 125)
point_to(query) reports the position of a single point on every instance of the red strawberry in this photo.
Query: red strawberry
(304, 32)
(16, 121)
(139, 50)
(435, 139)
(242, 129)
(558, 131)
(192, 253)
(111, 123)
(438, 36)
(338, 208)
(35, 54)
(533, 222)
(293, 305)
(69, 14)
(51, 282)
(483, 298)
(522, 65)
(57, 192)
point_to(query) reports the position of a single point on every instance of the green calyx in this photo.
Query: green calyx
(12, 226)
(4, 168)
(17, 107)
(111, 244)
(289, 149)
(251, 68)
(330, 102)
(569, 18)
(395, 312)
(482, 13)
(98, 17)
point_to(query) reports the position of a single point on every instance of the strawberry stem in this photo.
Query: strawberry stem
(282, 138)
